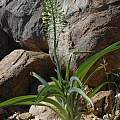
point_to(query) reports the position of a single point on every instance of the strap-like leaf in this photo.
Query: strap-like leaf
(84, 67)
(95, 90)
(76, 79)
(62, 111)
(42, 80)
(82, 93)
(16, 100)
(68, 68)
(48, 91)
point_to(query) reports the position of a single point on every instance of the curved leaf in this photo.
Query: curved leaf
(84, 67)
(73, 79)
(42, 80)
(82, 93)
(17, 100)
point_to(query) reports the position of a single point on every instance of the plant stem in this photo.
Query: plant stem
(55, 43)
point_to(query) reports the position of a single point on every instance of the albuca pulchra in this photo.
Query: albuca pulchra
(53, 24)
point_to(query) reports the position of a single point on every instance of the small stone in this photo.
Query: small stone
(14, 116)
(117, 112)
(10, 118)
(117, 97)
(25, 116)
(90, 117)
(117, 115)
(107, 117)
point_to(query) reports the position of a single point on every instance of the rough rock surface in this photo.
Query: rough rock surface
(92, 25)
(90, 117)
(7, 44)
(1, 113)
(103, 103)
(4, 47)
(21, 19)
(15, 71)
(117, 115)
(91, 28)
(43, 113)
(25, 116)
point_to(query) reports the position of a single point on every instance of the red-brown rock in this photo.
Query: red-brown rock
(15, 79)
(103, 103)
(92, 26)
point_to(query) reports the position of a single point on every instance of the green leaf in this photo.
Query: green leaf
(57, 83)
(96, 89)
(76, 79)
(50, 105)
(84, 67)
(62, 111)
(43, 81)
(68, 68)
(49, 91)
(78, 116)
(16, 100)
(91, 75)
(82, 93)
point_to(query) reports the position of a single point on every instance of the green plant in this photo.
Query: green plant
(64, 95)
(67, 92)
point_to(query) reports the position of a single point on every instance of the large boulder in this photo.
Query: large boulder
(92, 26)
(89, 29)
(21, 19)
(15, 68)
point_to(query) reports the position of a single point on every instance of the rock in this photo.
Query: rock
(25, 116)
(1, 113)
(107, 117)
(71, 7)
(7, 44)
(1, 2)
(90, 117)
(117, 115)
(117, 98)
(15, 68)
(4, 48)
(14, 116)
(22, 116)
(42, 113)
(91, 26)
(22, 20)
(113, 116)
(103, 103)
